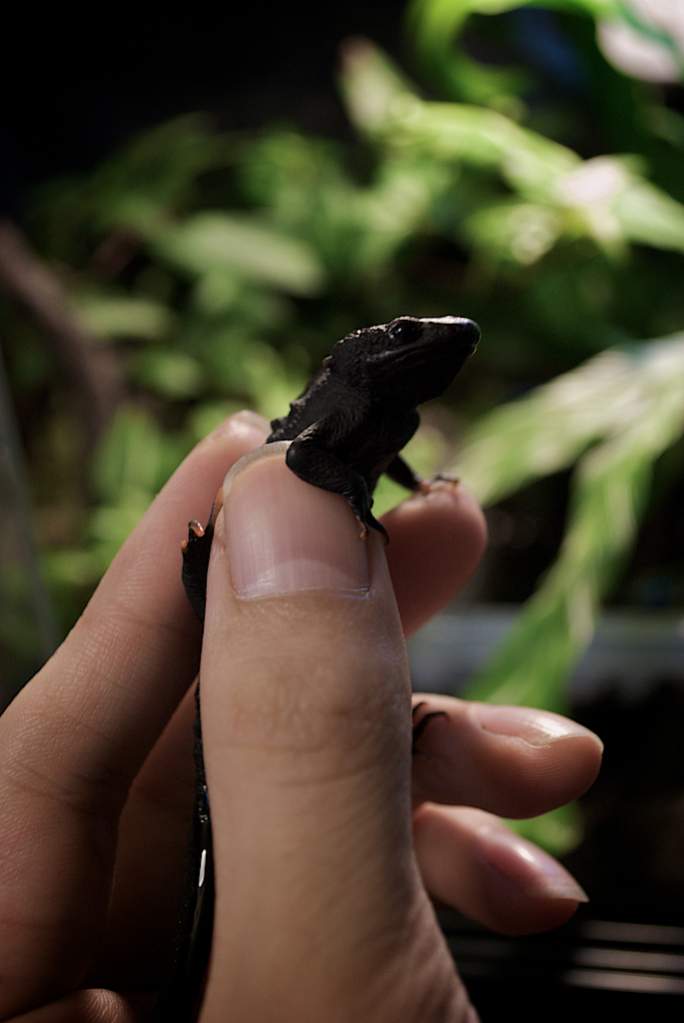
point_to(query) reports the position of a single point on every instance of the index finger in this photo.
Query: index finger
(73, 740)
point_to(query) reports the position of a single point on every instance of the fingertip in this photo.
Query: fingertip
(437, 541)
(452, 508)
(514, 761)
(471, 861)
(245, 427)
(566, 754)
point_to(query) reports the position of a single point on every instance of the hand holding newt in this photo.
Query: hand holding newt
(329, 836)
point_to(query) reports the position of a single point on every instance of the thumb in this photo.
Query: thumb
(307, 732)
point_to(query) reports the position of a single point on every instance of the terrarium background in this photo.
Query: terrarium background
(218, 201)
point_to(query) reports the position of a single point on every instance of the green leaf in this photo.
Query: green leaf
(111, 525)
(606, 198)
(612, 201)
(651, 217)
(447, 131)
(207, 416)
(558, 831)
(128, 458)
(549, 428)
(610, 491)
(374, 90)
(434, 27)
(215, 242)
(217, 293)
(516, 231)
(168, 373)
(425, 453)
(271, 383)
(74, 568)
(110, 316)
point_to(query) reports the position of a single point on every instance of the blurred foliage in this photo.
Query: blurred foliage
(631, 405)
(538, 191)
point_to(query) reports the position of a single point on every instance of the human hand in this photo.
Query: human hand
(321, 866)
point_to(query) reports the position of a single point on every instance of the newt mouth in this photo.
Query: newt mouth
(456, 329)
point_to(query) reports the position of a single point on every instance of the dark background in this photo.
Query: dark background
(83, 83)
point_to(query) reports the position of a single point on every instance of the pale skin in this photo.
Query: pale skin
(329, 836)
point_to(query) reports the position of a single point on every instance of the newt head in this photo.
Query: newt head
(410, 359)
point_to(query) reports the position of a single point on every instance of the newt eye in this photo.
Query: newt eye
(403, 330)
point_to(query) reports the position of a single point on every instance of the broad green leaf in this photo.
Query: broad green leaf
(217, 292)
(123, 316)
(372, 87)
(611, 488)
(169, 373)
(398, 205)
(214, 242)
(613, 202)
(516, 231)
(650, 217)
(289, 172)
(550, 428)
(606, 198)
(455, 131)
